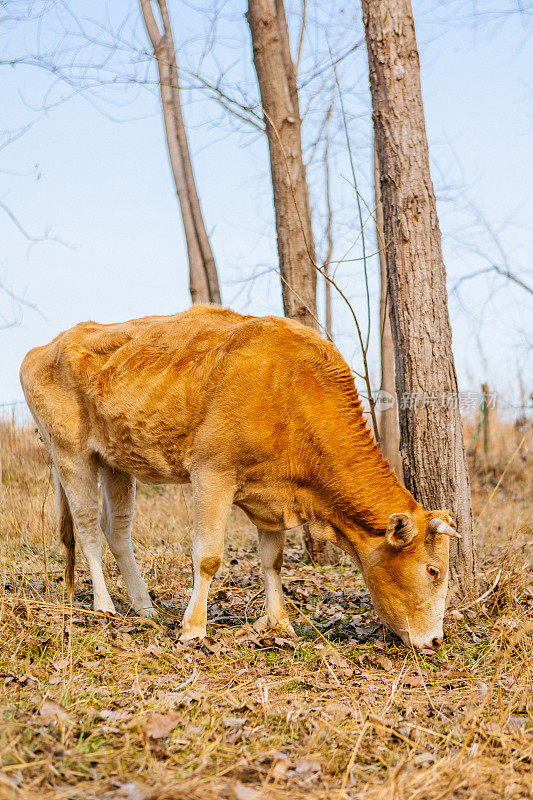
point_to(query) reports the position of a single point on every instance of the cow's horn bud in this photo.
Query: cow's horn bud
(439, 526)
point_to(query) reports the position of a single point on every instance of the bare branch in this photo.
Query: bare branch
(329, 239)
(352, 166)
(33, 240)
(21, 301)
(493, 268)
(12, 136)
(301, 36)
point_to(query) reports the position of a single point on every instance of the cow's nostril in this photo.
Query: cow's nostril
(436, 642)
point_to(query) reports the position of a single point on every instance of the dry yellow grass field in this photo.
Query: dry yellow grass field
(98, 708)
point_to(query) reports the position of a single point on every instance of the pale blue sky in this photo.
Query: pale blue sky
(105, 187)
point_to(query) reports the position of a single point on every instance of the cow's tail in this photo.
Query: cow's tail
(66, 534)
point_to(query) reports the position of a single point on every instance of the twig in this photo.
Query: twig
(338, 60)
(501, 477)
(352, 167)
(301, 37)
(31, 239)
(22, 302)
(366, 376)
(352, 760)
(485, 594)
(505, 273)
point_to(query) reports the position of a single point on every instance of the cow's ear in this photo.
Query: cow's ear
(400, 531)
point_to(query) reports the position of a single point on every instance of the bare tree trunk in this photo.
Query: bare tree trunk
(329, 239)
(389, 432)
(276, 77)
(203, 278)
(430, 424)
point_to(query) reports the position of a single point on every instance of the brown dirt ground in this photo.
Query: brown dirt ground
(107, 709)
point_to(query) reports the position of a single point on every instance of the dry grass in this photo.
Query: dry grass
(95, 708)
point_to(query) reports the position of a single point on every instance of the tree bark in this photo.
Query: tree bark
(430, 425)
(389, 432)
(329, 253)
(203, 278)
(276, 77)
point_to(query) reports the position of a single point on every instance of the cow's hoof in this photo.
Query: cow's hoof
(193, 633)
(103, 613)
(285, 627)
(149, 612)
(282, 625)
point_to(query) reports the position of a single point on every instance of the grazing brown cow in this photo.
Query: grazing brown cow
(260, 412)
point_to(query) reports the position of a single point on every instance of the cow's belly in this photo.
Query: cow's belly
(146, 472)
(147, 460)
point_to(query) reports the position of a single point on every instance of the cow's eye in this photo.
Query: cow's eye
(433, 572)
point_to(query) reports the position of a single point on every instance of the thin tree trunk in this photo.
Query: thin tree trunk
(276, 77)
(487, 423)
(389, 432)
(430, 424)
(329, 239)
(203, 278)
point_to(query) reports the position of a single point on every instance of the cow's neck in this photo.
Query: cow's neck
(357, 488)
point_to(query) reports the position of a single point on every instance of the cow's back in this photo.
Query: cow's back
(138, 393)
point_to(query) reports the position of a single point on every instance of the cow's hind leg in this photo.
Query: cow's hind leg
(271, 552)
(118, 504)
(79, 478)
(212, 498)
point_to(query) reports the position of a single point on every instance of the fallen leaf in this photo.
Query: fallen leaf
(337, 711)
(159, 726)
(306, 769)
(382, 661)
(424, 758)
(338, 660)
(261, 625)
(125, 641)
(516, 723)
(185, 698)
(239, 791)
(413, 681)
(213, 646)
(114, 716)
(54, 712)
(234, 722)
(154, 650)
(8, 789)
(61, 664)
(193, 730)
(283, 643)
(30, 681)
(482, 690)
(492, 729)
(247, 635)
(280, 768)
(130, 791)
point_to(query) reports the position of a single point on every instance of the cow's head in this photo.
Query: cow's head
(407, 576)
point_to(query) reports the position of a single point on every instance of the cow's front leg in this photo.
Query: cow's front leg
(213, 494)
(271, 552)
